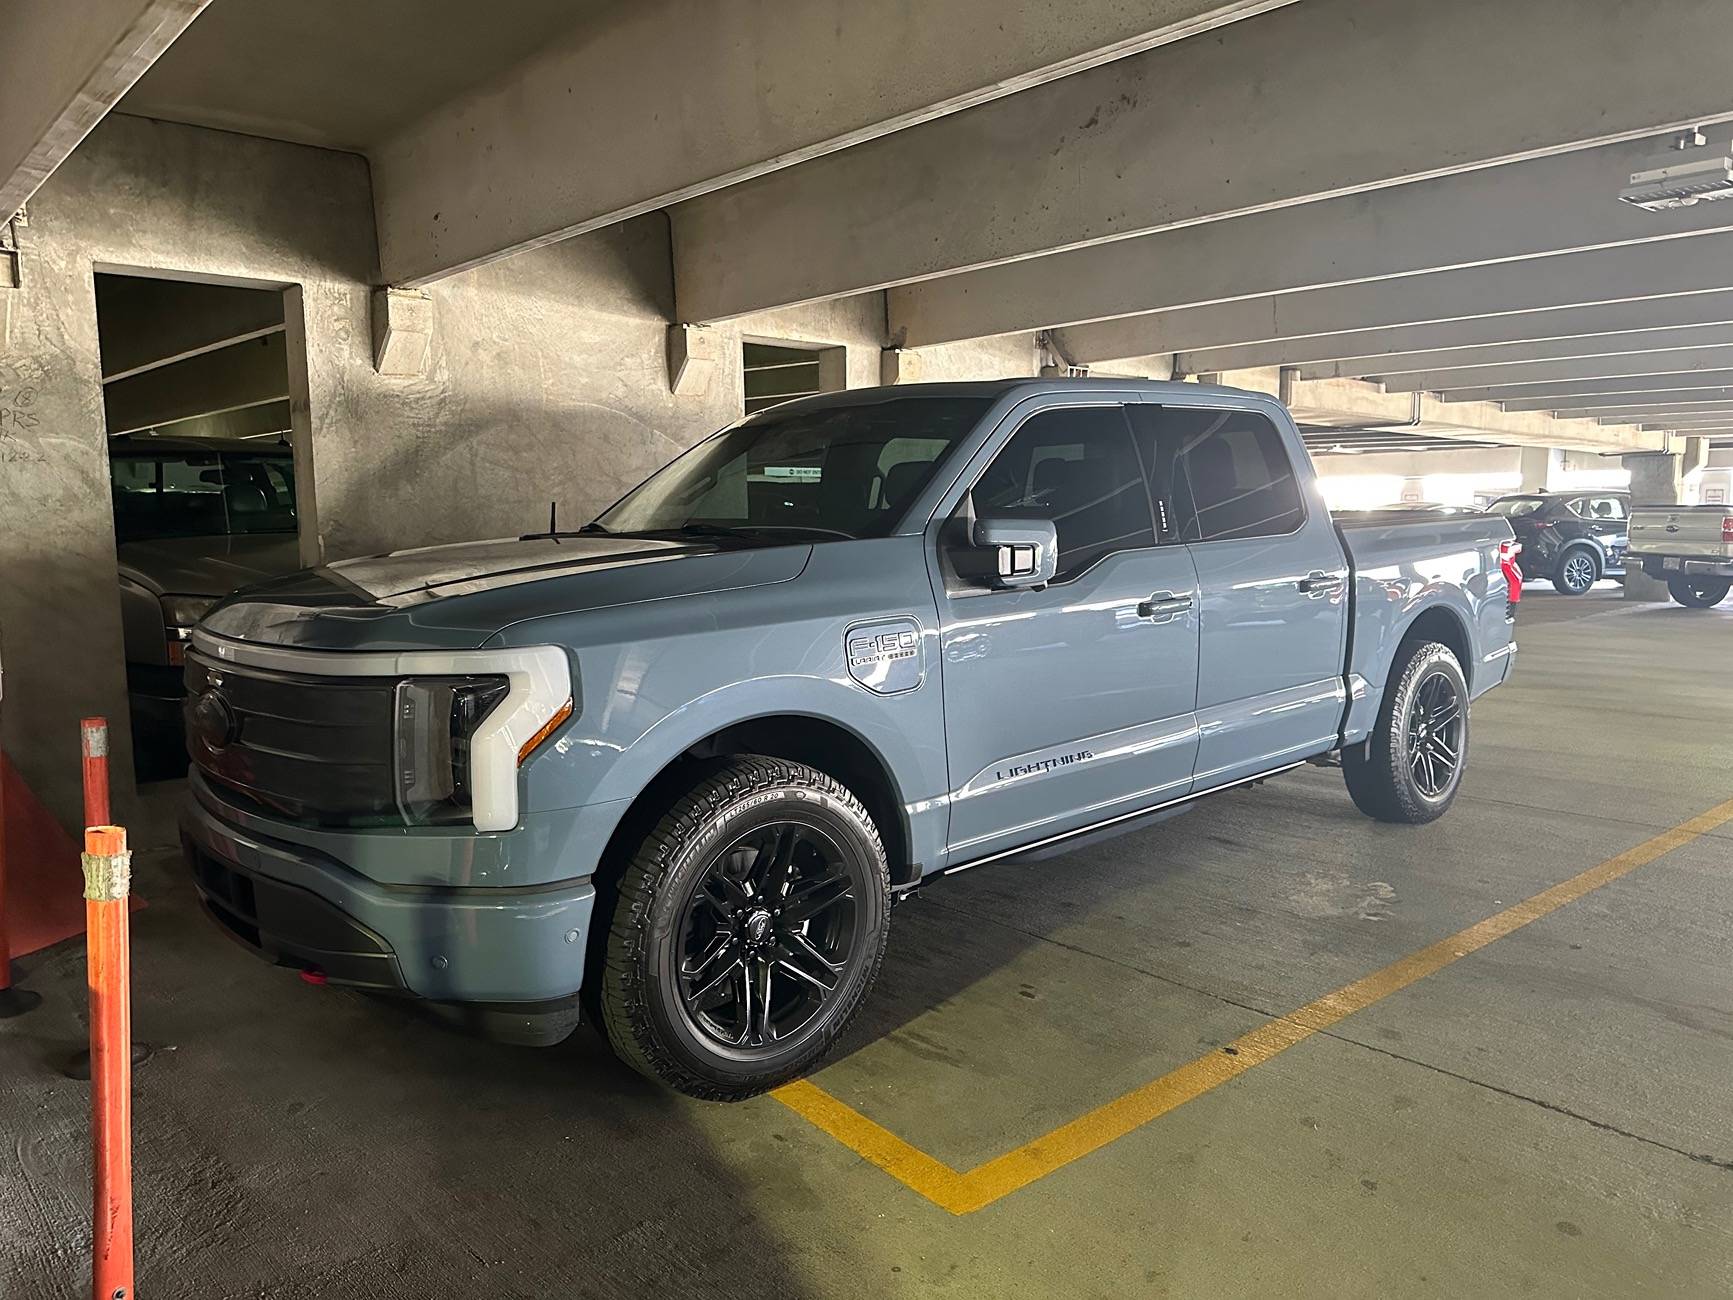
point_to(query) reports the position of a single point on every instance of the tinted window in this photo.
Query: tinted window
(839, 471)
(201, 494)
(1516, 506)
(1221, 475)
(1075, 466)
(1611, 508)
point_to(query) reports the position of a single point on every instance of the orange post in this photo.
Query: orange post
(93, 742)
(107, 882)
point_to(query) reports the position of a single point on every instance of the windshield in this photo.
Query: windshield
(1515, 506)
(201, 494)
(837, 471)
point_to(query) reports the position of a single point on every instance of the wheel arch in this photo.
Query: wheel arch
(816, 741)
(1440, 623)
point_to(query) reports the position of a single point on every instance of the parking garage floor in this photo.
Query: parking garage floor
(1041, 1098)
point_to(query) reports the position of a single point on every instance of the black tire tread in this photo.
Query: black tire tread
(1374, 782)
(1680, 590)
(629, 1029)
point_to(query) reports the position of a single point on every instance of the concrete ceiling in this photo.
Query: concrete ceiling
(336, 73)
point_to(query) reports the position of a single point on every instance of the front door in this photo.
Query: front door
(1274, 582)
(1071, 704)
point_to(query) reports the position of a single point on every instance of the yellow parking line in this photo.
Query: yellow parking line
(963, 1193)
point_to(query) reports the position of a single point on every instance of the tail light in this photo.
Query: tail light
(1507, 553)
(1726, 529)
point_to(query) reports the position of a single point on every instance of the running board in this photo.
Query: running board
(1171, 807)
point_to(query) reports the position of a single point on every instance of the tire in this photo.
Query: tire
(1386, 779)
(1699, 593)
(1578, 569)
(699, 933)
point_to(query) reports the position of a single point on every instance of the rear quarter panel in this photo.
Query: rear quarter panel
(1405, 565)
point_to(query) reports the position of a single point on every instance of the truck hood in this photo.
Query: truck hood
(208, 566)
(457, 597)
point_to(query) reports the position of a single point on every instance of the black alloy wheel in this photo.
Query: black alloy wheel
(766, 936)
(1435, 729)
(1410, 767)
(747, 929)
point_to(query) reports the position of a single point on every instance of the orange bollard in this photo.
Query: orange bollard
(107, 882)
(93, 742)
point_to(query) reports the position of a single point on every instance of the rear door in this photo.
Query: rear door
(1071, 704)
(1603, 515)
(1273, 582)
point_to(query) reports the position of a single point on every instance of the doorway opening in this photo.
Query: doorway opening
(781, 372)
(201, 460)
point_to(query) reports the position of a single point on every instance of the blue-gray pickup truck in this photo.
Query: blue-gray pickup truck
(674, 766)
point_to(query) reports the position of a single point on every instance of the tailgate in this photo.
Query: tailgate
(1702, 531)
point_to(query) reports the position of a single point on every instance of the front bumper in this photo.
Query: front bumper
(508, 961)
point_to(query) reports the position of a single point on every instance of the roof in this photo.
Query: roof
(1024, 387)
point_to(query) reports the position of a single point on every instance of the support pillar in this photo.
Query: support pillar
(1657, 479)
(1539, 466)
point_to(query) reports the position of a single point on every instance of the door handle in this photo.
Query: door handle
(1163, 603)
(1318, 580)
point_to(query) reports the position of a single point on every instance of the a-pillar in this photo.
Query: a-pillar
(1539, 466)
(1657, 479)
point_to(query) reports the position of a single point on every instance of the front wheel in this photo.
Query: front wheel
(1577, 571)
(749, 928)
(1410, 768)
(1698, 593)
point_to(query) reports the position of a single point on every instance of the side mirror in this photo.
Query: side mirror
(1021, 552)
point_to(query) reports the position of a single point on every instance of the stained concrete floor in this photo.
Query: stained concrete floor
(1551, 1115)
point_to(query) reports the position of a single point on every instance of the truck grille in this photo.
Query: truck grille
(314, 750)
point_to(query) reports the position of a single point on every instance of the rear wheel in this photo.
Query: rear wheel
(1698, 593)
(1410, 769)
(749, 928)
(1577, 570)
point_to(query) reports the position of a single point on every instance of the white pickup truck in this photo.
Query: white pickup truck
(1690, 548)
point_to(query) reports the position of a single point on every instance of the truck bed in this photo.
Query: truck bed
(1404, 561)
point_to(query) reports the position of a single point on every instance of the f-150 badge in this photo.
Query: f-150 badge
(887, 657)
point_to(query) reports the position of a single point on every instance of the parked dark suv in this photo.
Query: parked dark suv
(1572, 538)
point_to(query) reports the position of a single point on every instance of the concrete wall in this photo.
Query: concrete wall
(546, 377)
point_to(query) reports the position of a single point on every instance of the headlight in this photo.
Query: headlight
(436, 718)
(186, 611)
(179, 615)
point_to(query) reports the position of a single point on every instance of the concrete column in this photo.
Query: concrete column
(1657, 479)
(1539, 464)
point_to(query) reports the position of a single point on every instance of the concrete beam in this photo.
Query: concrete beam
(1615, 403)
(1689, 265)
(1497, 214)
(1359, 403)
(1266, 114)
(1514, 373)
(646, 104)
(402, 328)
(1681, 383)
(62, 68)
(1493, 357)
(246, 374)
(1313, 353)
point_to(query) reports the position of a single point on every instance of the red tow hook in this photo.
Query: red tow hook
(313, 975)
